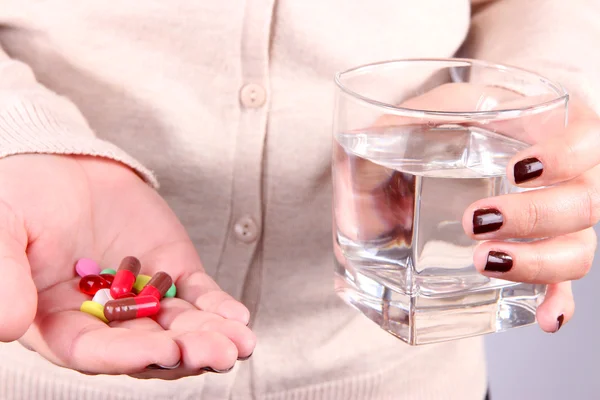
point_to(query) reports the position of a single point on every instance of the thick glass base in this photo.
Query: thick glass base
(425, 318)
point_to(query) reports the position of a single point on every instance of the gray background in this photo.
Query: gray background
(528, 364)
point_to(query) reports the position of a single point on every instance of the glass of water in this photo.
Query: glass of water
(415, 143)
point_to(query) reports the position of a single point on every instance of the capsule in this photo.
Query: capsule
(140, 282)
(131, 308)
(157, 286)
(125, 277)
(94, 309)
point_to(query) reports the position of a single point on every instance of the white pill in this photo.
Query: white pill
(102, 296)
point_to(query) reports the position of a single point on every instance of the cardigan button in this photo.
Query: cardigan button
(253, 95)
(246, 230)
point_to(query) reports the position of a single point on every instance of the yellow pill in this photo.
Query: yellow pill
(95, 309)
(140, 282)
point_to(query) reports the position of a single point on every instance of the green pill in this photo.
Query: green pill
(108, 271)
(172, 291)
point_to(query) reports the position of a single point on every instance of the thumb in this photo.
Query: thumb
(18, 294)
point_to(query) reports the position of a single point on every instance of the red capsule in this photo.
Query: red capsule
(125, 277)
(90, 284)
(157, 286)
(130, 308)
(108, 277)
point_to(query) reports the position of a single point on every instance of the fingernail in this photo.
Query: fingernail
(245, 358)
(498, 261)
(158, 366)
(528, 169)
(486, 220)
(217, 371)
(559, 321)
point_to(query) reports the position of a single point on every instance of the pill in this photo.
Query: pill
(157, 286)
(125, 277)
(93, 308)
(90, 284)
(108, 271)
(130, 308)
(172, 291)
(140, 282)
(102, 296)
(108, 277)
(85, 266)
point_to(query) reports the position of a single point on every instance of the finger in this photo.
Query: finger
(201, 352)
(558, 307)
(200, 290)
(179, 315)
(205, 349)
(554, 211)
(378, 205)
(560, 158)
(554, 260)
(80, 341)
(18, 294)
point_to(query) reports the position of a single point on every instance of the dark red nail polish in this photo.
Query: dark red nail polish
(486, 220)
(560, 320)
(498, 261)
(528, 169)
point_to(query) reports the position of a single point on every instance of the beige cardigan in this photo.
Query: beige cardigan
(230, 104)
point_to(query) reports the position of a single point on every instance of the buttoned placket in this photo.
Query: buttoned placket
(246, 210)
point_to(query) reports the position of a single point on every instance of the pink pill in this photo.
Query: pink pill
(85, 267)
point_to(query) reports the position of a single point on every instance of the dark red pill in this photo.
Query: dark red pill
(135, 307)
(157, 286)
(108, 277)
(90, 284)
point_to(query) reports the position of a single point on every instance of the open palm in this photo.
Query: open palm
(55, 210)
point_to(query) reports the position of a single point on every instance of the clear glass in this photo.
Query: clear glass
(415, 143)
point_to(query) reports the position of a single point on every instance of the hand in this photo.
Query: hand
(562, 215)
(57, 209)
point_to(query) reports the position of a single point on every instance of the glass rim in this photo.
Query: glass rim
(561, 94)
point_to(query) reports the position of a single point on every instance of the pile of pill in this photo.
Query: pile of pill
(122, 294)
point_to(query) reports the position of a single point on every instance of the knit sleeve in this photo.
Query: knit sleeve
(556, 38)
(33, 119)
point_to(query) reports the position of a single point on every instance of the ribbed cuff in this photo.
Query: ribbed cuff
(33, 125)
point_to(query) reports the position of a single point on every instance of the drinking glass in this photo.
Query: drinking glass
(415, 143)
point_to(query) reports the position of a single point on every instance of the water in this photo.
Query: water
(402, 257)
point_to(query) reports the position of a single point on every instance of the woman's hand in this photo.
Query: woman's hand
(55, 210)
(564, 161)
(561, 215)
